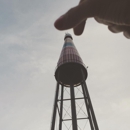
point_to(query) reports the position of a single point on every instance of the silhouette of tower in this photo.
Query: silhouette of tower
(73, 109)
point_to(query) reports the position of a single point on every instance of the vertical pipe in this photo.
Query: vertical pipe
(61, 108)
(55, 108)
(73, 108)
(87, 107)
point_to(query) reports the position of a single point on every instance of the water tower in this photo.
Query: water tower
(73, 109)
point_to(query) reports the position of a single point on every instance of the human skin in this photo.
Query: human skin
(113, 13)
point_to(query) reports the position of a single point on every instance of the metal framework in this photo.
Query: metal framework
(59, 109)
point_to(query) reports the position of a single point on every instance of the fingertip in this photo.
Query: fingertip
(127, 34)
(77, 33)
(115, 29)
(78, 30)
(59, 23)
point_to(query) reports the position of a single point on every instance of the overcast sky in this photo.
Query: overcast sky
(29, 50)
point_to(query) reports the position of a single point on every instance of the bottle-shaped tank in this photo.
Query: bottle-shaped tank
(70, 68)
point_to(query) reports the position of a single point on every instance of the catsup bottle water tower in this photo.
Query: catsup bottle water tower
(73, 109)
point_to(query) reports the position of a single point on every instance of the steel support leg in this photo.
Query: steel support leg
(61, 107)
(73, 108)
(87, 108)
(91, 108)
(55, 108)
(89, 103)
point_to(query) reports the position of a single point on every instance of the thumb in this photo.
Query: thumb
(76, 15)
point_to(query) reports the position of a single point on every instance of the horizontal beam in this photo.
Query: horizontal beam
(77, 119)
(70, 99)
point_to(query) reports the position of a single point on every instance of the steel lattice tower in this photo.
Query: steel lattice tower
(72, 104)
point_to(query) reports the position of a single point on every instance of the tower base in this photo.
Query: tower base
(73, 109)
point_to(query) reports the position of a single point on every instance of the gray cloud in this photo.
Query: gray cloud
(29, 50)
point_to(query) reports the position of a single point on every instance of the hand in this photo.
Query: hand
(113, 13)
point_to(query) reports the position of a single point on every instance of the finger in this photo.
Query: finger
(102, 21)
(76, 15)
(81, 1)
(78, 30)
(127, 34)
(119, 28)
